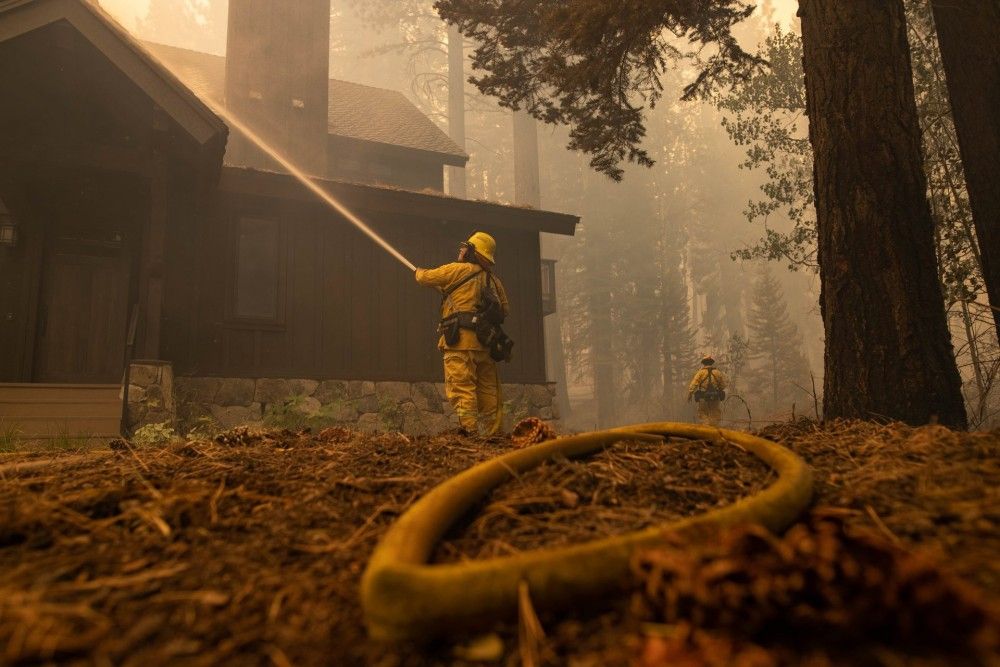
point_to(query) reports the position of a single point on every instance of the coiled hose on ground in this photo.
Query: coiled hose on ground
(406, 598)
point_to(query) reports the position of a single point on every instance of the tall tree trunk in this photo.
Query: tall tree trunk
(555, 356)
(528, 192)
(667, 371)
(603, 357)
(556, 361)
(774, 376)
(888, 350)
(969, 35)
(456, 107)
(977, 368)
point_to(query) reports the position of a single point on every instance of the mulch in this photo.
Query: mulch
(248, 549)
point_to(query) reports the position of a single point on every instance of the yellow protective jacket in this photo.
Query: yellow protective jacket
(701, 381)
(465, 298)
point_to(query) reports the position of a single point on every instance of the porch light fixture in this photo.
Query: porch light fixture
(8, 228)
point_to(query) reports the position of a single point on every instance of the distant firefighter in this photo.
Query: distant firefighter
(708, 389)
(474, 304)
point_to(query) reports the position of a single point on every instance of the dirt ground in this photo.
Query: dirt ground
(248, 549)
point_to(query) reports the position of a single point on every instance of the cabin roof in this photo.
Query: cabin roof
(356, 111)
(388, 199)
(201, 77)
(20, 17)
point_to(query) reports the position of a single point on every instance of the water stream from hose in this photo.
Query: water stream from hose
(303, 177)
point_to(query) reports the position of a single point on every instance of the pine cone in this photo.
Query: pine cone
(531, 431)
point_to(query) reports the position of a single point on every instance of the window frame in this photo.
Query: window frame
(233, 318)
(550, 301)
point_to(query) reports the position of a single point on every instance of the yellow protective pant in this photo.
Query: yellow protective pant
(472, 385)
(709, 413)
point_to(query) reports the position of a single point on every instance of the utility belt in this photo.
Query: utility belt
(710, 394)
(490, 335)
(461, 320)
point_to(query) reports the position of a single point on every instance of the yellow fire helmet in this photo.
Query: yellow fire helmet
(485, 245)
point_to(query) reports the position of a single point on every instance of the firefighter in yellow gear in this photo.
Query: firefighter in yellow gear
(472, 382)
(707, 388)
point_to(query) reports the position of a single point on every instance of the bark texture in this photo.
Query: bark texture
(888, 350)
(969, 35)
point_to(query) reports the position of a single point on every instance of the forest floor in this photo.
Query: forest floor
(248, 549)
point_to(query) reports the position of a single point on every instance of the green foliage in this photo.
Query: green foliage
(329, 413)
(957, 248)
(766, 115)
(10, 436)
(287, 414)
(154, 434)
(390, 413)
(596, 67)
(293, 414)
(65, 440)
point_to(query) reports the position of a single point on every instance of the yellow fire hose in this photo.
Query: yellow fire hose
(405, 598)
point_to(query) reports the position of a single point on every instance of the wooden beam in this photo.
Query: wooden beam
(377, 199)
(151, 265)
(80, 154)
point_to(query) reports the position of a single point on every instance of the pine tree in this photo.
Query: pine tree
(597, 67)
(971, 56)
(778, 370)
(678, 342)
(888, 349)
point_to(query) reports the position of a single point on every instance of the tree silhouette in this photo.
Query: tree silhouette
(778, 371)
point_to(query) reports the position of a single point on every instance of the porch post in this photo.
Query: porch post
(151, 269)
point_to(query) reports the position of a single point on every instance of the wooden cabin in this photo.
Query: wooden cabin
(132, 239)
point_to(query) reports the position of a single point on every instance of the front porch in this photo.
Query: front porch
(99, 151)
(71, 415)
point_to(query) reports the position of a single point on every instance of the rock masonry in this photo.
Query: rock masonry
(213, 403)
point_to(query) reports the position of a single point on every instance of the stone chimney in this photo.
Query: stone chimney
(277, 80)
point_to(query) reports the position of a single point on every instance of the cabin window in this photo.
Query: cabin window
(548, 286)
(258, 270)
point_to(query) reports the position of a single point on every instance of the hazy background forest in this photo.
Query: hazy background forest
(712, 250)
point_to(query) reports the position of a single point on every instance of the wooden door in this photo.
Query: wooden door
(83, 313)
(91, 221)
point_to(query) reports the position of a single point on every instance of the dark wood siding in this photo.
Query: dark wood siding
(20, 271)
(67, 286)
(358, 161)
(351, 311)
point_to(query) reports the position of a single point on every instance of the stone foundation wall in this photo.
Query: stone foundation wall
(415, 408)
(150, 393)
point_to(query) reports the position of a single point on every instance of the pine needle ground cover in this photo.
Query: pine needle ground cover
(248, 549)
